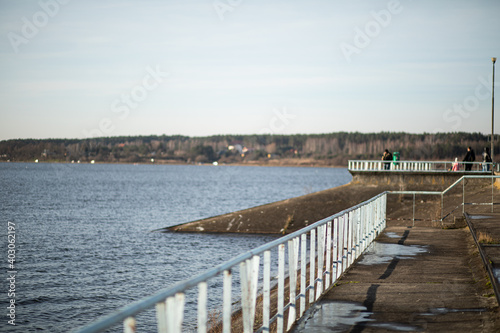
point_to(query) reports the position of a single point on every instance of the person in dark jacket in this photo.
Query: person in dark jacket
(387, 157)
(486, 159)
(469, 157)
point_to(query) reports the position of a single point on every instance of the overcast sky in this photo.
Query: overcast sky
(75, 69)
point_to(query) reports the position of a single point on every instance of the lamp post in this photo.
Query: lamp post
(492, 114)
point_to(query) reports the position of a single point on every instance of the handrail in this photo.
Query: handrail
(421, 166)
(334, 243)
(487, 263)
(442, 193)
(467, 176)
(461, 179)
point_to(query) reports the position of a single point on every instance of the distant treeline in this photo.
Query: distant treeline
(327, 149)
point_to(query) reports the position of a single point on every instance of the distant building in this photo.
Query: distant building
(236, 147)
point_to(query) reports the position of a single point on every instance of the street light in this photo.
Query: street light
(492, 114)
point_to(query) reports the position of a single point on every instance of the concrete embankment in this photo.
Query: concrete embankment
(284, 216)
(289, 215)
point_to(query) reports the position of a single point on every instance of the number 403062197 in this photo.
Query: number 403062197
(11, 236)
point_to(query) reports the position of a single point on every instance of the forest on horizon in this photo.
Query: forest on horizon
(333, 149)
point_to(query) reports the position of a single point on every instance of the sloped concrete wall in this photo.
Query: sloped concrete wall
(410, 180)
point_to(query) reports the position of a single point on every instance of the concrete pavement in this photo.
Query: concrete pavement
(412, 279)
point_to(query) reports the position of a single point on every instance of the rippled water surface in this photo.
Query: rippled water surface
(83, 240)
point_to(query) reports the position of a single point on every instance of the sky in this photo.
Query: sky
(81, 69)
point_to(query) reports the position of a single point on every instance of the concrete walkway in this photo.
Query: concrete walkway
(412, 279)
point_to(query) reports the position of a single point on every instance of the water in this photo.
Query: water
(381, 253)
(83, 240)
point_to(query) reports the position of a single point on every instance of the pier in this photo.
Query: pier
(402, 260)
(413, 279)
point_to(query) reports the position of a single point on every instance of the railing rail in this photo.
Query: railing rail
(462, 180)
(459, 181)
(431, 166)
(324, 250)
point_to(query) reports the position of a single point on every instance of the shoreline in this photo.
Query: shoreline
(298, 165)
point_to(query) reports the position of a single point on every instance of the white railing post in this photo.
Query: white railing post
(372, 215)
(356, 233)
(384, 208)
(175, 313)
(335, 267)
(129, 325)
(249, 271)
(349, 238)
(312, 265)
(293, 252)
(370, 224)
(161, 317)
(226, 306)
(303, 273)
(345, 256)
(281, 287)
(367, 223)
(359, 237)
(321, 259)
(328, 265)
(266, 302)
(202, 307)
(340, 253)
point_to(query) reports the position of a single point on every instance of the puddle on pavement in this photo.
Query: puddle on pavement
(395, 327)
(443, 311)
(496, 273)
(382, 253)
(392, 235)
(336, 316)
(479, 217)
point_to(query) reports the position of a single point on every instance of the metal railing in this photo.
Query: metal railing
(327, 248)
(464, 203)
(377, 165)
(414, 194)
(459, 182)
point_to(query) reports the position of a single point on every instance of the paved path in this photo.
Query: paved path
(419, 279)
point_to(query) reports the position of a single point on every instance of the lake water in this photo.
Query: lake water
(84, 245)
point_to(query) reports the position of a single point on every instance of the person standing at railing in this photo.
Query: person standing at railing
(469, 157)
(456, 165)
(387, 157)
(486, 159)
